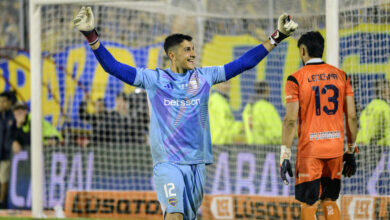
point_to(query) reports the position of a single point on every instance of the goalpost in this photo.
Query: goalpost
(35, 6)
(65, 76)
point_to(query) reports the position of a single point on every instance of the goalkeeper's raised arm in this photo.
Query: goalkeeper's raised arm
(286, 26)
(84, 22)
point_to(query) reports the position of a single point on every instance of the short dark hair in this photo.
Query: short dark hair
(261, 87)
(174, 40)
(314, 43)
(3, 94)
(381, 85)
(6, 95)
(20, 105)
(122, 95)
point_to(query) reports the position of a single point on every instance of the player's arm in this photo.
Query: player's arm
(349, 168)
(84, 22)
(352, 121)
(288, 126)
(286, 26)
(289, 123)
(288, 132)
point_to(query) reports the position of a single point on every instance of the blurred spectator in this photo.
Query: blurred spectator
(224, 129)
(21, 130)
(139, 116)
(101, 121)
(375, 118)
(6, 122)
(9, 29)
(123, 125)
(121, 117)
(261, 119)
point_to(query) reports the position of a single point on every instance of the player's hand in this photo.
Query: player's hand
(286, 26)
(350, 166)
(84, 21)
(285, 165)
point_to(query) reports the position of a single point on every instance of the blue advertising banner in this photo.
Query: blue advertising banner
(237, 169)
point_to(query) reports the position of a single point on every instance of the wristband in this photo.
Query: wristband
(272, 41)
(92, 36)
(285, 153)
(353, 148)
(277, 37)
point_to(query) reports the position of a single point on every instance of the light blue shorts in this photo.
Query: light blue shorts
(180, 188)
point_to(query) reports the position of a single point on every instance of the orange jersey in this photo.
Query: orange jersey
(321, 90)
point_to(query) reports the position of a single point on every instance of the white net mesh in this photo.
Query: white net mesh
(104, 123)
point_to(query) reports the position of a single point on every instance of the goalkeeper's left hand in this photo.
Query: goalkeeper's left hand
(285, 166)
(350, 166)
(286, 26)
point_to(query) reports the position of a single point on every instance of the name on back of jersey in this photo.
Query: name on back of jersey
(322, 77)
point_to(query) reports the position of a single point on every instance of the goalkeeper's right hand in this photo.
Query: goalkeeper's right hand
(285, 165)
(286, 26)
(84, 22)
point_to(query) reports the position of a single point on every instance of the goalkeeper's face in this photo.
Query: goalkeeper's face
(183, 56)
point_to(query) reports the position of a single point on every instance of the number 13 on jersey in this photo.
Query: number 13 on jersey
(332, 99)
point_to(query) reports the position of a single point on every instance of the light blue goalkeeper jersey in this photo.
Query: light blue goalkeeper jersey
(179, 118)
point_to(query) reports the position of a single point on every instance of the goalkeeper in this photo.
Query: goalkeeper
(318, 94)
(179, 124)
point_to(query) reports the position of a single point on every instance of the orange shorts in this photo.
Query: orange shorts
(317, 178)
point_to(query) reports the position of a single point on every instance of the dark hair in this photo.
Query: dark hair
(380, 85)
(122, 95)
(3, 94)
(101, 100)
(261, 87)
(174, 40)
(20, 105)
(314, 43)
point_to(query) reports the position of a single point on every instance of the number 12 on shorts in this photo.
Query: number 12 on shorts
(168, 188)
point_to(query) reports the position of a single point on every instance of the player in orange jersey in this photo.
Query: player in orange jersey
(318, 94)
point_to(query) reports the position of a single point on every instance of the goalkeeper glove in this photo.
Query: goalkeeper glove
(286, 26)
(84, 22)
(349, 168)
(285, 166)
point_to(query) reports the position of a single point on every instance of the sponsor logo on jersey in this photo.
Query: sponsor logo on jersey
(183, 86)
(325, 135)
(169, 86)
(193, 84)
(172, 201)
(178, 102)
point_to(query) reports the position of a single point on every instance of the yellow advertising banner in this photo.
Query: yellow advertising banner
(113, 204)
(261, 207)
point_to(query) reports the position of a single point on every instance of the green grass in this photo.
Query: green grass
(25, 218)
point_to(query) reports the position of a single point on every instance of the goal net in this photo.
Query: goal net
(100, 163)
